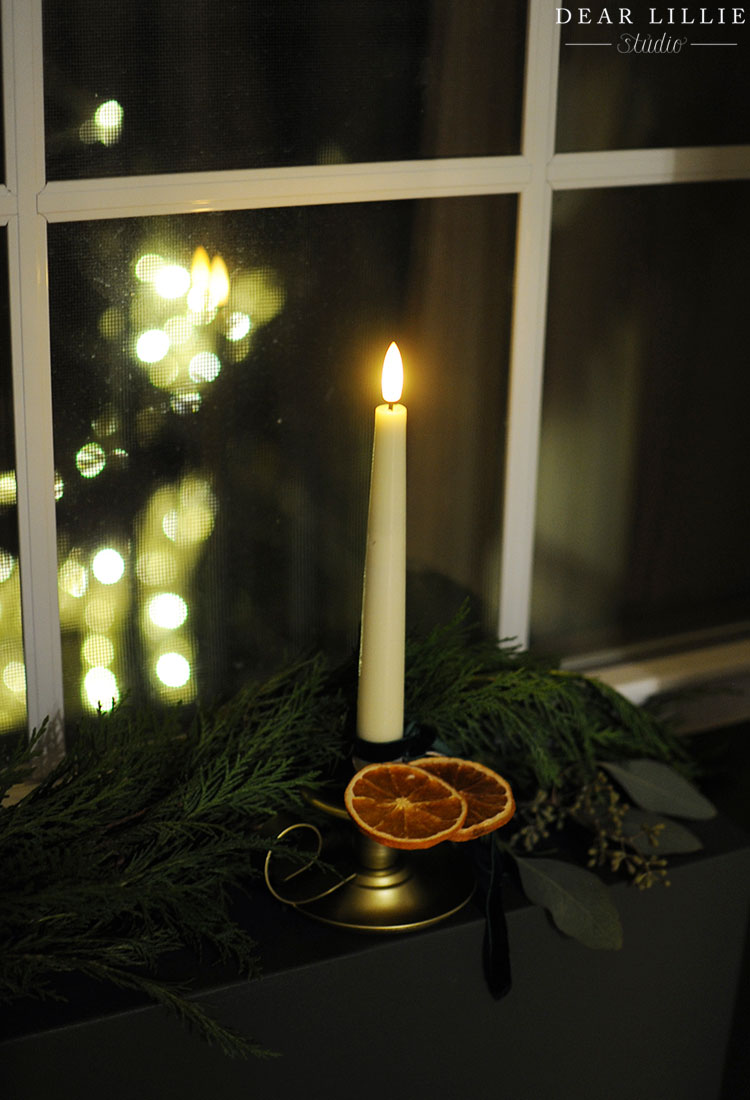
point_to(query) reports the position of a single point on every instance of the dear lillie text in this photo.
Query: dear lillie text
(679, 17)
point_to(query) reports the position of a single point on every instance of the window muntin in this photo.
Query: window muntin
(216, 475)
(155, 88)
(642, 529)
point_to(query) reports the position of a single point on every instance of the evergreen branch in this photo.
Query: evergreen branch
(134, 845)
(530, 720)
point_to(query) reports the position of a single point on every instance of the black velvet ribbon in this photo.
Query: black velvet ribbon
(417, 740)
(495, 948)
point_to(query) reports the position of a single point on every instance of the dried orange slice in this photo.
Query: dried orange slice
(404, 807)
(489, 797)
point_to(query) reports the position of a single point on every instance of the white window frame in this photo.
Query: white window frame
(28, 204)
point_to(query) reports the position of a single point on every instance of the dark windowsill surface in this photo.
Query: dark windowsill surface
(652, 1020)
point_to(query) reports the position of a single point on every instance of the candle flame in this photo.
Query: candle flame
(393, 375)
(209, 283)
(218, 285)
(200, 270)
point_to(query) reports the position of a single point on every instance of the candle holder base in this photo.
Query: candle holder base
(365, 887)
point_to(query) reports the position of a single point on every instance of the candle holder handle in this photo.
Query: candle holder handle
(295, 883)
(361, 885)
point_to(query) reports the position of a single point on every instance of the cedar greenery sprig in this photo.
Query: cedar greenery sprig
(530, 720)
(134, 844)
(130, 848)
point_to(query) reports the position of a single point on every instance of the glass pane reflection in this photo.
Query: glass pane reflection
(12, 666)
(213, 429)
(642, 526)
(614, 100)
(172, 87)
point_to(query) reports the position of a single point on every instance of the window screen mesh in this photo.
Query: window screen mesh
(215, 454)
(615, 94)
(642, 519)
(175, 86)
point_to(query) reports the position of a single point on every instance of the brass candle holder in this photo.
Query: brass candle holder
(352, 881)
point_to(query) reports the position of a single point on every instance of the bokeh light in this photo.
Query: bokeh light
(167, 610)
(105, 125)
(173, 670)
(204, 367)
(108, 566)
(100, 689)
(148, 266)
(108, 121)
(106, 423)
(179, 330)
(7, 489)
(91, 460)
(163, 374)
(112, 323)
(185, 402)
(171, 281)
(100, 611)
(98, 650)
(72, 576)
(156, 567)
(193, 520)
(7, 564)
(14, 677)
(151, 346)
(237, 325)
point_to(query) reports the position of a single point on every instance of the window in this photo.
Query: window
(192, 479)
(641, 530)
(215, 459)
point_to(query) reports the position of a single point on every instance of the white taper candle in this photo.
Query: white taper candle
(380, 703)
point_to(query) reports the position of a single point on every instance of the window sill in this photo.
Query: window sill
(713, 682)
(378, 1016)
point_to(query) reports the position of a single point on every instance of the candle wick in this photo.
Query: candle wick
(390, 404)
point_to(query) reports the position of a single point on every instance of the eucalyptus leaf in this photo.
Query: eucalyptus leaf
(655, 786)
(577, 900)
(673, 838)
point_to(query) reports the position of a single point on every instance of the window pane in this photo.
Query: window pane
(12, 671)
(643, 527)
(215, 457)
(132, 89)
(609, 99)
